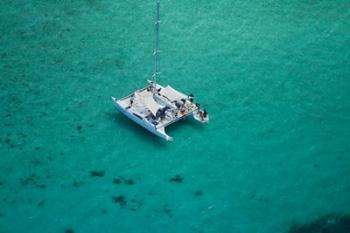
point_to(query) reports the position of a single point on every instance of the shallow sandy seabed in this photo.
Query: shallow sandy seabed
(274, 77)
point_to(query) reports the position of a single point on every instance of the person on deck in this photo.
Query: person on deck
(205, 113)
(131, 101)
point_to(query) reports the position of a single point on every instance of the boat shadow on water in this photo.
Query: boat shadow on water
(185, 123)
(123, 122)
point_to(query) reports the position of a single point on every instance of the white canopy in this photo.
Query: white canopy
(145, 99)
(151, 105)
(172, 94)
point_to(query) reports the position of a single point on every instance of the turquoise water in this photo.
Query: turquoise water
(274, 76)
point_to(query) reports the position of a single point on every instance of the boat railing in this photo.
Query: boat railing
(176, 119)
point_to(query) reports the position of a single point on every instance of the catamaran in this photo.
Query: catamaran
(154, 107)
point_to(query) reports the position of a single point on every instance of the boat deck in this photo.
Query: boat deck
(145, 104)
(155, 107)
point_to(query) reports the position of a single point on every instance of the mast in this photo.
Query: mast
(156, 50)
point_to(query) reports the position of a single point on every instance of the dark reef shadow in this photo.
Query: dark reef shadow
(331, 223)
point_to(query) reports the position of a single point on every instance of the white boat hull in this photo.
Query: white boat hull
(157, 131)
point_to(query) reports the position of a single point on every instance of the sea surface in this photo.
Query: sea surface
(274, 76)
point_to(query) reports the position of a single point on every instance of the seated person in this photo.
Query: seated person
(131, 101)
(205, 113)
(178, 104)
(191, 98)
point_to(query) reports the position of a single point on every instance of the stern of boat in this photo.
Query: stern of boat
(164, 135)
(197, 116)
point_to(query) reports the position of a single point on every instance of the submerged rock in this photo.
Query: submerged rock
(167, 210)
(77, 183)
(198, 193)
(41, 203)
(32, 180)
(331, 223)
(121, 200)
(97, 173)
(122, 180)
(79, 128)
(176, 179)
(129, 182)
(69, 230)
(117, 181)
(131, 204)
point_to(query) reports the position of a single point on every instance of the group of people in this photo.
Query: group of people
(203, 114)
(131, 101)
(161, 113)
(152, 88)
(182, 106)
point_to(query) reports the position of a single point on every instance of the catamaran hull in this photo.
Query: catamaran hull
(157, 131)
